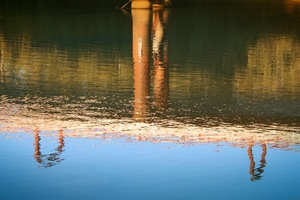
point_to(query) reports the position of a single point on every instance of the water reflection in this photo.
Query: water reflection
(160, 58)
(142, 36)
(51, 159)
(140, 46)
(202, 75)
(272, 69)
(256, 173)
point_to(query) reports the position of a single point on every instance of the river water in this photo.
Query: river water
(194, 102)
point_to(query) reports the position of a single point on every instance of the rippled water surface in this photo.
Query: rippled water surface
(178, 103)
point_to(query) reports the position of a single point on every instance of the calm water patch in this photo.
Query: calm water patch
(142, 170)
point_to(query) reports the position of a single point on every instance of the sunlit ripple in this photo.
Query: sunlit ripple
(31, 117)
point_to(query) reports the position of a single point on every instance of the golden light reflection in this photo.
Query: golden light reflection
(29, 65)
(2, 59)
(273, 68)
(22, 120)
(275, 136)
(292, 5)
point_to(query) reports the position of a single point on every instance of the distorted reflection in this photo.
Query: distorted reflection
(82, 81)
(140, 46)
(51, 159)
(141, 53)
(256, 173)
(272, 69)
(160, 58)
(160, 3)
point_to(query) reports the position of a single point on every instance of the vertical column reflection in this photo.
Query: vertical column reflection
(37, 146)
(140, 45)
(160, 58)
(48, 160)
(141, 53)
(256, 173)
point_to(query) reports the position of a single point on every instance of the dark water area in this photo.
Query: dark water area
(193, 101)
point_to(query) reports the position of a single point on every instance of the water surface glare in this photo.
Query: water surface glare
(174, 103)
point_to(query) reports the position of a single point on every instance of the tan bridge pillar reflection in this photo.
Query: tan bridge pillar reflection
(160, 59)
(141, 4)
(256, 173)
(156, 77)
(140, 46)
(48, 160)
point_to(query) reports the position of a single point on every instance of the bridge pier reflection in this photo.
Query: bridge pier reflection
(160, 59)
(141, 4)
(144, 4)
(141, 45)
(48, 160)
(256, 173)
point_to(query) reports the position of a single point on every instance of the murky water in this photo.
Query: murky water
(179, 103)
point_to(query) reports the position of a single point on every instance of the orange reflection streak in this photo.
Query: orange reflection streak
(292, 5)
(48, 160)
(260, 79)
(140, 45)
(160, 59)
(37, 146)
(256, 174)
(61, 141)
